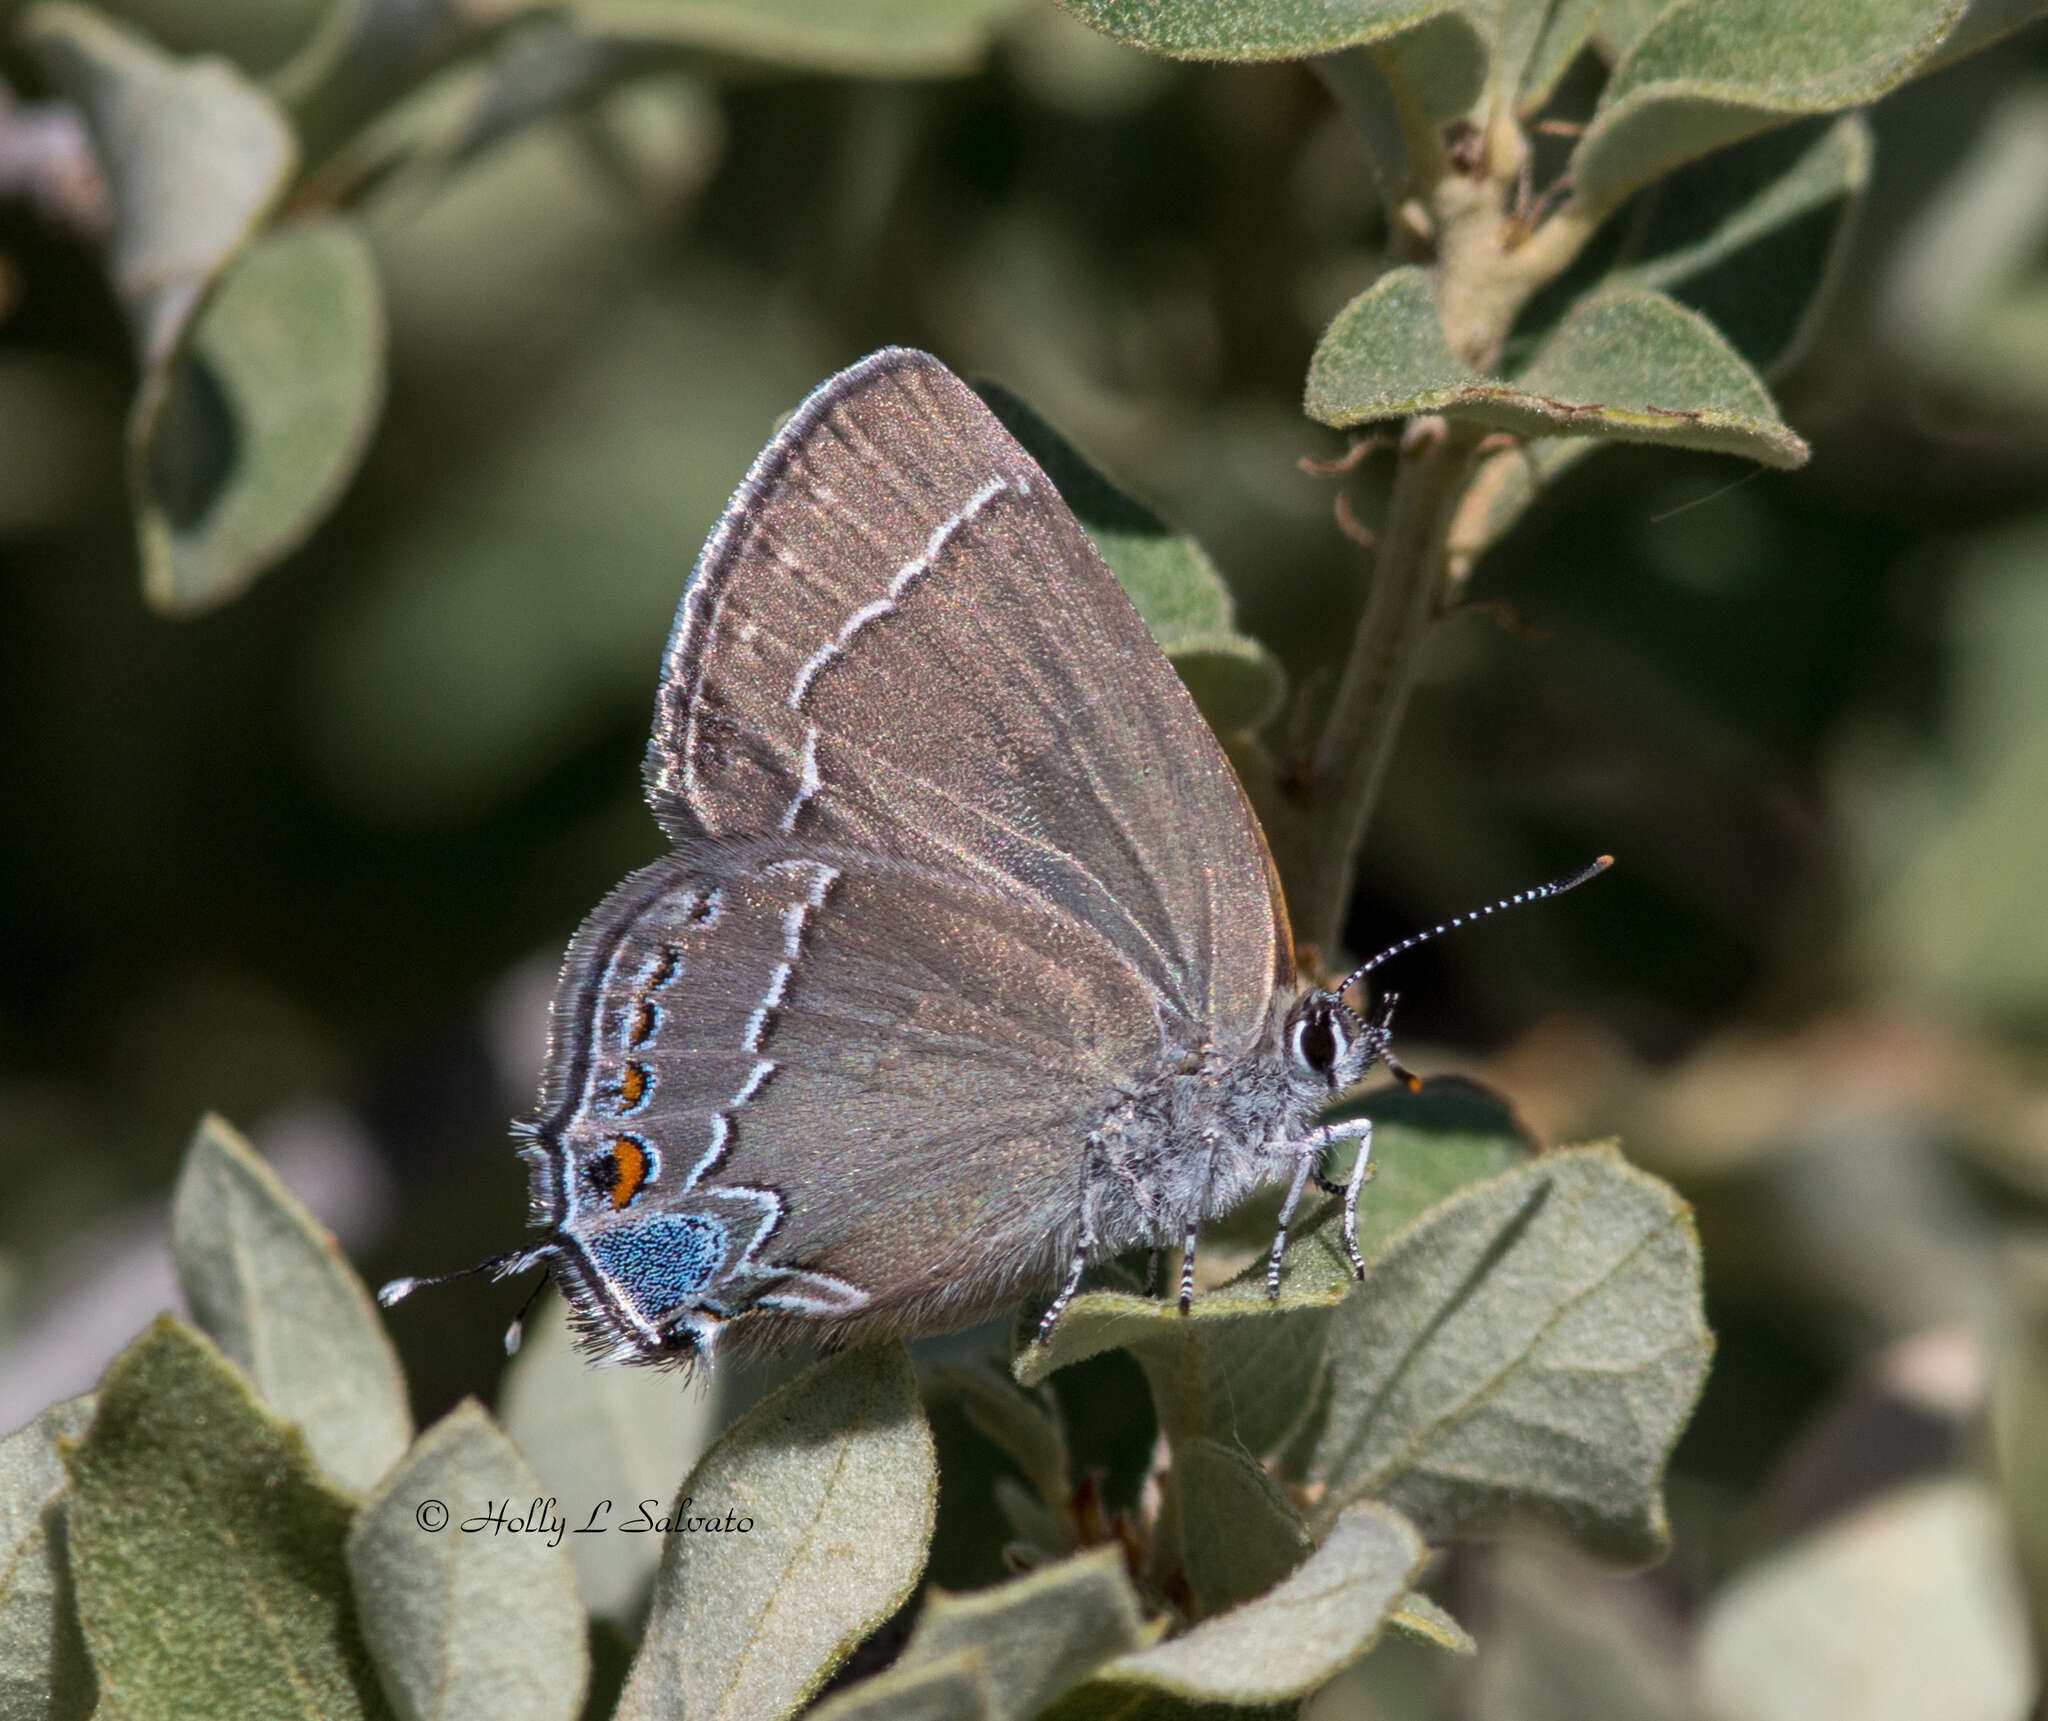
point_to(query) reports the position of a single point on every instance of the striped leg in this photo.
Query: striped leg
(1307, 1156)
(1304, 1163)
(1084, 1246)
(1351, 1189)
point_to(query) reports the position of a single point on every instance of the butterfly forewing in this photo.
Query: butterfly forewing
(900, 641)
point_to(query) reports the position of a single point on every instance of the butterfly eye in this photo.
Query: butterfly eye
(1317, 1041)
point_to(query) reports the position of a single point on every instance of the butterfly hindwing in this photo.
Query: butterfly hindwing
(757, 1050)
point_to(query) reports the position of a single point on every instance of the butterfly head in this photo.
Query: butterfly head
(1328, 1042)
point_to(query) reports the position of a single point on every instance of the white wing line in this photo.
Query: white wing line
(811, 783)
(796, 921)
(815, 664)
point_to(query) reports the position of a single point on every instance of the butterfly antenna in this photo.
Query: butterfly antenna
(1556, 887)
(395, 1291)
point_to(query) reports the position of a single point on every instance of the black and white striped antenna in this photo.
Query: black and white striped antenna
(1556, 887)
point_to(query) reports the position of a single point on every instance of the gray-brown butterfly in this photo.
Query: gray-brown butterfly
(969, 964)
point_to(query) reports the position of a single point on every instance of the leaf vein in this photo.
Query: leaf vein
(1425, 1434)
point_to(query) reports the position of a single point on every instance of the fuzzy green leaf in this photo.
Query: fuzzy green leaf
(1908, 1607)
(1264, 1383)
(1237, 1534)
(1755, 237)
(207, 1551)
(1038, 1635)
(1624, 363)
(262, 362)
(1709, 72)
(1300, 1633)
(195, 156)
(1418, 1616)
(1253, 29)
(1166, 574)
(1249, 1383)
(848, 38)
(1313, 1276)
(1024, 1426)
(266, 1283)
(1236, 683)
(1564, 32)
(465, 1624)
(363, 58)
(1513, 30)
(1032, 1523)
(1385, 356)
(954, 1688)
(1527, 1350)
(629, 1435)
(837, 1476)
(1437, 70)
(45, 1674)
(264, 417)
(1621, 25)
(1833, 170)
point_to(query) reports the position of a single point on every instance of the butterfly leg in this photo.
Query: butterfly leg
(1304, 1163)
(1084, 1246)
(1187, 1265)
(1361, 1129)
(1308, 1155)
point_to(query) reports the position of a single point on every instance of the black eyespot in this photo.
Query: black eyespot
(602, 1174)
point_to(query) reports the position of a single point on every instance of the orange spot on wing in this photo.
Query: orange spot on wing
(633, 1084)
(631, 1159)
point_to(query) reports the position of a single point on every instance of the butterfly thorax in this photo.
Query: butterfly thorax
(1196, 1133)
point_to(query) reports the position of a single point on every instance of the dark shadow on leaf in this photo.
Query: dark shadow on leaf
(1447, 1105)
(1097, 503)
(195, 446)
(611, 1654)
(1490, 1257)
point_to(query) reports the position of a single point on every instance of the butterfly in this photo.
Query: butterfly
(968, 965)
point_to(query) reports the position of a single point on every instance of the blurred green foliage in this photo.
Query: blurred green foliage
(406, 353)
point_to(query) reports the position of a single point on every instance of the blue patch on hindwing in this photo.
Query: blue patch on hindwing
(662, 1262)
